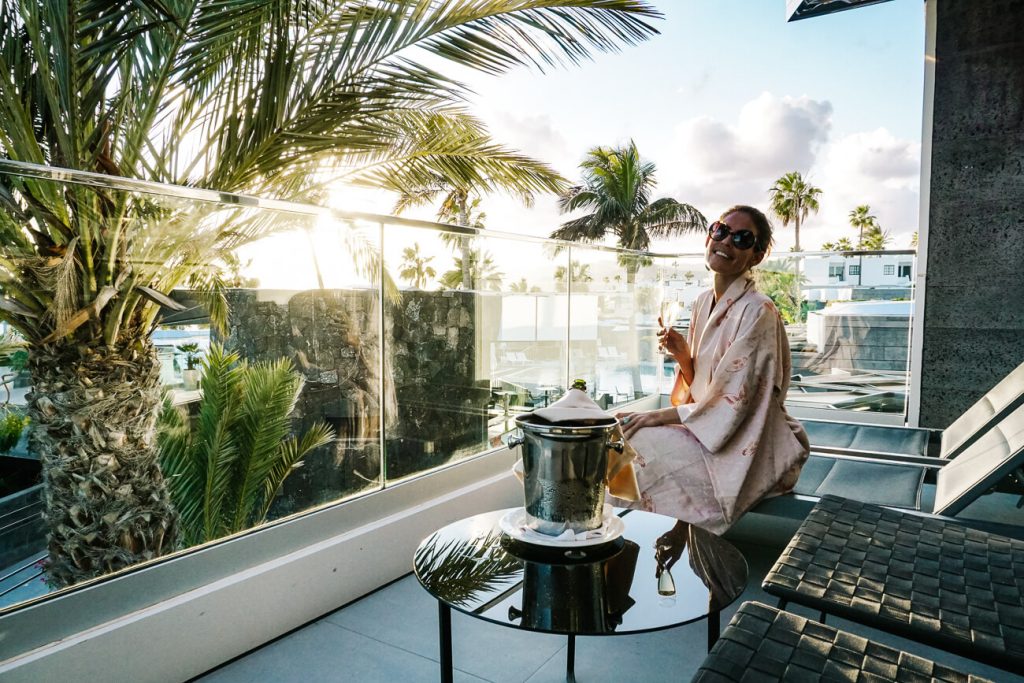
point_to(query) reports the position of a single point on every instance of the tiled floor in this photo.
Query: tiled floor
(391, 635)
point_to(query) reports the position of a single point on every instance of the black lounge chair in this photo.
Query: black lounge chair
(899, 481)
(928, 579)
(765, 644)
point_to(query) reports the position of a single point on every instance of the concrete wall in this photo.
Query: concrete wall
(974, 318)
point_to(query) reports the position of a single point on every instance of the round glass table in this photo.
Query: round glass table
(659, 574)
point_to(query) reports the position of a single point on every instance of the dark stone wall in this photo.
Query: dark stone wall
(974, 318)
(434, 408)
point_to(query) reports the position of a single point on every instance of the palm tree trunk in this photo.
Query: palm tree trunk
(796, 280)
(93, 411)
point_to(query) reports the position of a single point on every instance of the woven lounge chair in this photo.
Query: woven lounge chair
(763, 644)
(927, 579)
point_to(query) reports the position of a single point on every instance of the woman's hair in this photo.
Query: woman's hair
(760, 221)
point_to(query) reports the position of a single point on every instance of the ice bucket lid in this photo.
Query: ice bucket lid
(575, 407)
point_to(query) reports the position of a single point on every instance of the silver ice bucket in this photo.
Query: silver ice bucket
(564, 468)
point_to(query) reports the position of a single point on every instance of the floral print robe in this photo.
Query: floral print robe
(736, 444)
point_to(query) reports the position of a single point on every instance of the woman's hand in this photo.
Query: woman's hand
(631, 422)
(673, 343)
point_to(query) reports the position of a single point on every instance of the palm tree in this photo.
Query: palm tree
(841, 244)
(616, 191)
(273, 98)
(792, 199)
(579, 274)
(861, 219)
(224, 473)
(913, 240)
(875, 239)
(414, 268)
(481, 269)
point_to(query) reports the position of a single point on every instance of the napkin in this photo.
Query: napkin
(575, 406)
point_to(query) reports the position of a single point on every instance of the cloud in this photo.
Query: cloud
(714, 164)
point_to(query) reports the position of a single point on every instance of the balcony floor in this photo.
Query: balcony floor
(391, 635)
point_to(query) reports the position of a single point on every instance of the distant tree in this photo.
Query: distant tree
(414, 268)
(841, 244)
(875, 239)
(616, 193)
(782, 285)
(862, 219)
(580, 276)
(792, 199)
(521, 287)
(481, 269)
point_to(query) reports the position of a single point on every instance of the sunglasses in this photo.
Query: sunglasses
(741, 239)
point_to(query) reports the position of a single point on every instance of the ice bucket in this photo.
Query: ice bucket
(564, 469)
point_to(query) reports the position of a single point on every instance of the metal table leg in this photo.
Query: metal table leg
(570, 661)
(714, 628)
(444, 623)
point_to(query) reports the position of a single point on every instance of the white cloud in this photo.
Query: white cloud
(715, 163)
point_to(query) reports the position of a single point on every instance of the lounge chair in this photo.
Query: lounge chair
(924, 578)
(856, 439)
(887, 465)
(988, 460)
(765, 644)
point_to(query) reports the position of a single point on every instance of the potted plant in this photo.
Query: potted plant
(190, 375)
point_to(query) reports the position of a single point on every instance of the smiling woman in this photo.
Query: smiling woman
(727, 441)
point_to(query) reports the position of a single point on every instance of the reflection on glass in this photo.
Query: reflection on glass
(848, 319)
(612, 588)
(462, 571)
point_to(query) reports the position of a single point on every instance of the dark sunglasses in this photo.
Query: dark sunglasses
(741, 239)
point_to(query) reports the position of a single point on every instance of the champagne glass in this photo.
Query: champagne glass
(669, 312)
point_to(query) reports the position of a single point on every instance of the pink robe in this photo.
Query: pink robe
(736, 444)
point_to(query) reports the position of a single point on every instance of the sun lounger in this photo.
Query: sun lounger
(924, 578)
(888, 465)
(958, 482)
(845, 438)
(765, 644)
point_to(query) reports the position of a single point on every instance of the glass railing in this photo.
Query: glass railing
(405, 346)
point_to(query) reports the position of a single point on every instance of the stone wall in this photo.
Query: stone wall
(973, 318)
(434, 409)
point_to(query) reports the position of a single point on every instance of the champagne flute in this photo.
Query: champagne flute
(668, 314)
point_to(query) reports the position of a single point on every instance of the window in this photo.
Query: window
(854, 270)
(836, 271)
(888, 270)
(904, 270)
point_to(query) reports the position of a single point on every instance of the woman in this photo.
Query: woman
(727, 441)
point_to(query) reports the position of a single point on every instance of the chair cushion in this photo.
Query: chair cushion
(870, 438)
(872, 482)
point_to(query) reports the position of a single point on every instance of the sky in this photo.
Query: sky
(725, 100)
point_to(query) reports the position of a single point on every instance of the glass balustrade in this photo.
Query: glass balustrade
(402, 346)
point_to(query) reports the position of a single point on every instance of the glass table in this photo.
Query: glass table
(659, 574)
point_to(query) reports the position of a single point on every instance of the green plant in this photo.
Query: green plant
(191, 351)
(224, 470)
(272, 98)
(792, 199)
(12, 422)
